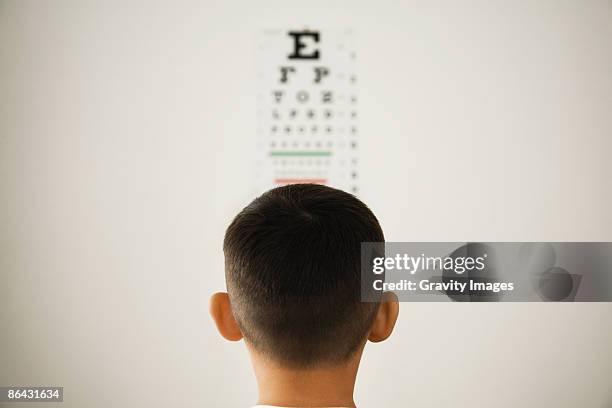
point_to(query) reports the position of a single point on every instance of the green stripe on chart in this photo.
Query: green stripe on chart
(300, 153)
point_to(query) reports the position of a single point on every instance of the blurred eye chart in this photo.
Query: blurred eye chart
(307, 109)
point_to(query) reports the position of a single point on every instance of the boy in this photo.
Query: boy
(292, 266)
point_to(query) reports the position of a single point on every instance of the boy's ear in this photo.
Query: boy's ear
(221, 312)
(385, 319)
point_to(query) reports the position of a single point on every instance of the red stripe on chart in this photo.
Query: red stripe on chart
(300, 181)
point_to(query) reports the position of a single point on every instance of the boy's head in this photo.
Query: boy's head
(292, 265)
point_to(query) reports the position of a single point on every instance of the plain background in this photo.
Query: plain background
(126, 139)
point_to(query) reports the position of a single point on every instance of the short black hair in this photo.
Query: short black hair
(292, 264)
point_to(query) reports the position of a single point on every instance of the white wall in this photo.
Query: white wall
(126, 133)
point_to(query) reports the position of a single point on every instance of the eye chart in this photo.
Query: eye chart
(307, 109)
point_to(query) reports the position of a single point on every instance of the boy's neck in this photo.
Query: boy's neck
(317, 387)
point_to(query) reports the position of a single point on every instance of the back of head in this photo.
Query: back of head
(293, 274)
